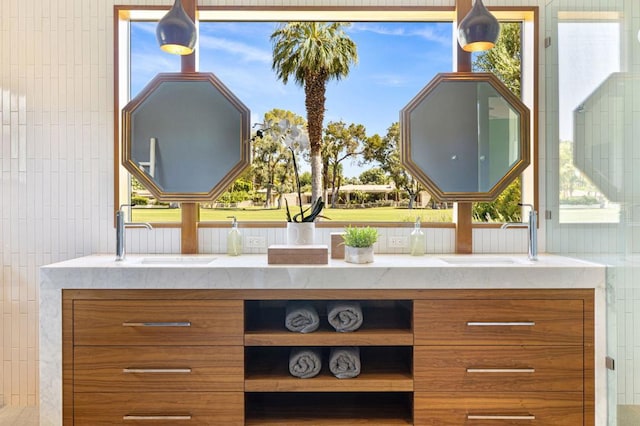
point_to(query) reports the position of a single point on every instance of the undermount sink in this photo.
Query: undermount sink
(485, 260)
(177, 260)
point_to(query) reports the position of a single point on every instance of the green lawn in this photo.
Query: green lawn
(377, 214)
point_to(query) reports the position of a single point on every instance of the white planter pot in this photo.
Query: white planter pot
(358, 254)
(300, 233)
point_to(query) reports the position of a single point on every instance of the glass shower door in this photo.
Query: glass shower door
(592, 82)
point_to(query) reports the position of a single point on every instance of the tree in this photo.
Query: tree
(569, 175)
(271, 161)
(305, 180)
(374, 176)
(571, 179)
(340, 143)
(385, 151)
(504, 60)
(504, 209)
(313, 53)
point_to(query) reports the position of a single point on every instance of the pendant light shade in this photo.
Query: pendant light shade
(176, 32)
(479, 30)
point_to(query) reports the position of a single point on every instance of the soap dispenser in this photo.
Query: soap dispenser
(234, 239)
(417, 240)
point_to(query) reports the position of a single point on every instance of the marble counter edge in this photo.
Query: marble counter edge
(387, 272)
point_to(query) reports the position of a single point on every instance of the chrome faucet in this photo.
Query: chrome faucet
(532, 229)
(120, 231)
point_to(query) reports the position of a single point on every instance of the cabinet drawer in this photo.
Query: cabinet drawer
(498, 322)
(491, 409)
(158, 368)
(159, 408)
(158, 322)
(498, 368)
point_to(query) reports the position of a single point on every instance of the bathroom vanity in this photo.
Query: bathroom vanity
(201, 340)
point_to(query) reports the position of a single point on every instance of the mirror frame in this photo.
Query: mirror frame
(218, 188)
(422, 175)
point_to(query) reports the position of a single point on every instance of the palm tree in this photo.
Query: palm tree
(313, 53)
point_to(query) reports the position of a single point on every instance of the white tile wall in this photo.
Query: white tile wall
(56, 160)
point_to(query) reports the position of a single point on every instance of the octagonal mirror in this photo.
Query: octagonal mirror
(465, 137)
(186, 137)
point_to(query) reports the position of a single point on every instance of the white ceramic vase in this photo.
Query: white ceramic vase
(300, 233)
(358, 254)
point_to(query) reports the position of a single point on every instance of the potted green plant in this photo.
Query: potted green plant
(359, 244)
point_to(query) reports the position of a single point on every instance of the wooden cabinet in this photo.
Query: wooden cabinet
(428, 357)
(158, 368)
(507, 361)
(499, 368)
(146, 358)
(159, 408)
(504, 409)
(157, 322)
(499, 322)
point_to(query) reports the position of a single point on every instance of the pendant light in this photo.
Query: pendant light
(176, 32)
(479, 30)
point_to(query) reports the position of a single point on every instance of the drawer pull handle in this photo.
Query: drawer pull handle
(157, 324)
(501, 324)
(157, 370)
(168, 417)
(498, 417)
(501, 370)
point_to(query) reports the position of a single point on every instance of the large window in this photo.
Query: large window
(399, 50)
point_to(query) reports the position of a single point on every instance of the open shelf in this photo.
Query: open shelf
(382, 394)
(334, 408)
(383, 369)
(386, 323)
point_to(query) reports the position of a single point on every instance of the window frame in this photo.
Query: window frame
(123, 14)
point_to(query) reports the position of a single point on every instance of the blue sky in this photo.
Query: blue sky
(396, 60)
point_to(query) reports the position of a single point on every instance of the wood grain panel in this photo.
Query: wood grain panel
(204, 408)
(67, 358)
(358, 294)
(189, 226)
(366, 337)
(194, 368)
(100, 322)
(454, 409)
(464, 228)
(498, 368)
(446, 322)
(282, 381)
(589, 361)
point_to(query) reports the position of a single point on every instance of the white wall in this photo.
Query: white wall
(56, 196)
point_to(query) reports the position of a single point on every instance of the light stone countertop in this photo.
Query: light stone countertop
(387, 272)
(246, 272)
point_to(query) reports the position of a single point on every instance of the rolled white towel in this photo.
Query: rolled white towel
(344, 316)
(301, 317)
(344, 362)
(305, 362)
